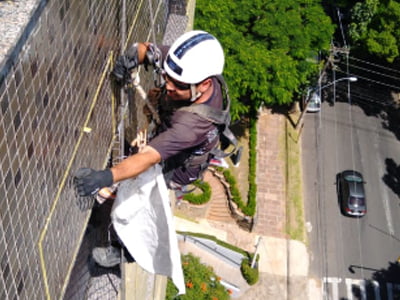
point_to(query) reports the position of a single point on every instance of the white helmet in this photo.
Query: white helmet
(194, 56)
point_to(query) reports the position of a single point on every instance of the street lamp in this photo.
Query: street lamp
(351, 79)
(313, 102)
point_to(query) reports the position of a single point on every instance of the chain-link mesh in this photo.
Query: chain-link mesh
(56, 116)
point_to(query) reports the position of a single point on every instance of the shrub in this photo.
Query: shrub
(252, 194)
(199, 198)
(249, 274)
(248, 209)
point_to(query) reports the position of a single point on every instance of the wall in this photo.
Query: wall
(58, 112)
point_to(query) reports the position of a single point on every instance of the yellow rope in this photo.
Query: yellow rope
(85, 129)
(132, 26)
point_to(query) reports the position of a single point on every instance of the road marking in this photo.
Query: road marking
(309, 228)
(377, 294)
(357, 287)
(353, 284)
(385, 200)
(335, 287)
(385, 196)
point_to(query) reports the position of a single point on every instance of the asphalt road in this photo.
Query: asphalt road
(355, 258)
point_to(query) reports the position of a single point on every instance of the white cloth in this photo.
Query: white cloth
(142, 218)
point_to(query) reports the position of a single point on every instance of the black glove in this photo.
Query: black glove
(88, 181)
(153, 57)
(124, 65)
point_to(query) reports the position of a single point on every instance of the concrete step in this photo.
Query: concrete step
(218, 209)
(225, 219)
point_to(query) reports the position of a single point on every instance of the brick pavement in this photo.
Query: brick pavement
(271, 179)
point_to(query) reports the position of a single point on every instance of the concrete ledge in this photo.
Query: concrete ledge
(283, 257)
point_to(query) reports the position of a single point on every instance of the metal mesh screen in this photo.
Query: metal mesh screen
(56, 116)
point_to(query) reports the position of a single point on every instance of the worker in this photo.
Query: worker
(191, 70)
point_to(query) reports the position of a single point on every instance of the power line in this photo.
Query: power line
(375, 65)
(374, 72)
(371, 80)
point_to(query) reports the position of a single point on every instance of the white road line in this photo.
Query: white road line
(354, 283)
(335, 287)
(384, 192)
(377, 294)
(357, 287)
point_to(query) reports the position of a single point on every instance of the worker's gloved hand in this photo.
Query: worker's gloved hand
(125, 64)
(88, 181)
(152, 57)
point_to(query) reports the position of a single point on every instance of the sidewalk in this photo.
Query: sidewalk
(283, 263)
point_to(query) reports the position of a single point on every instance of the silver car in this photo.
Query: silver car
(314, 103)
(351, 193)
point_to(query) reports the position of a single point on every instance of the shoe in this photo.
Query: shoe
(107, 256)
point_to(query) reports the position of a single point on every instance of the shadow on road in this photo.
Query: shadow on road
(392, 176)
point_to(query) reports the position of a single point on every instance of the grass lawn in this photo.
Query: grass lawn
(295, 204)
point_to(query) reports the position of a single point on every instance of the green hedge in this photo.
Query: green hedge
(252, 195)
(251, 275)
(248, 209)
(200, 198)
(236, 197)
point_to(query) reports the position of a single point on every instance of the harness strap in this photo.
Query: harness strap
(209, 113)
(232, 139)
(220, 117)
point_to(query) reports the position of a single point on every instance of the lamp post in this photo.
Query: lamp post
(319, 89)
(351, 79)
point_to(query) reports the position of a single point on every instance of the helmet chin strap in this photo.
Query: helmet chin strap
(195, 94)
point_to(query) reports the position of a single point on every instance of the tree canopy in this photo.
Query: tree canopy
(270, 46)
(374, 28)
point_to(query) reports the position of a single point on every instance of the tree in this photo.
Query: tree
(361, 15)
(270, 47)
(201, 282)
(374, 28)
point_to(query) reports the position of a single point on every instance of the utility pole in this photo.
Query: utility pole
(255, 253)
(300, 120)
(330, 62)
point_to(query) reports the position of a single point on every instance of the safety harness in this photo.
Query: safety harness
(221, 118)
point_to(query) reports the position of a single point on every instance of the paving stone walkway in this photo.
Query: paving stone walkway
(271, 175)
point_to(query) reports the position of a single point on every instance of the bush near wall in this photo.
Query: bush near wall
(252, 195)
(248, 209)
(199, 198)
(250, 274)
